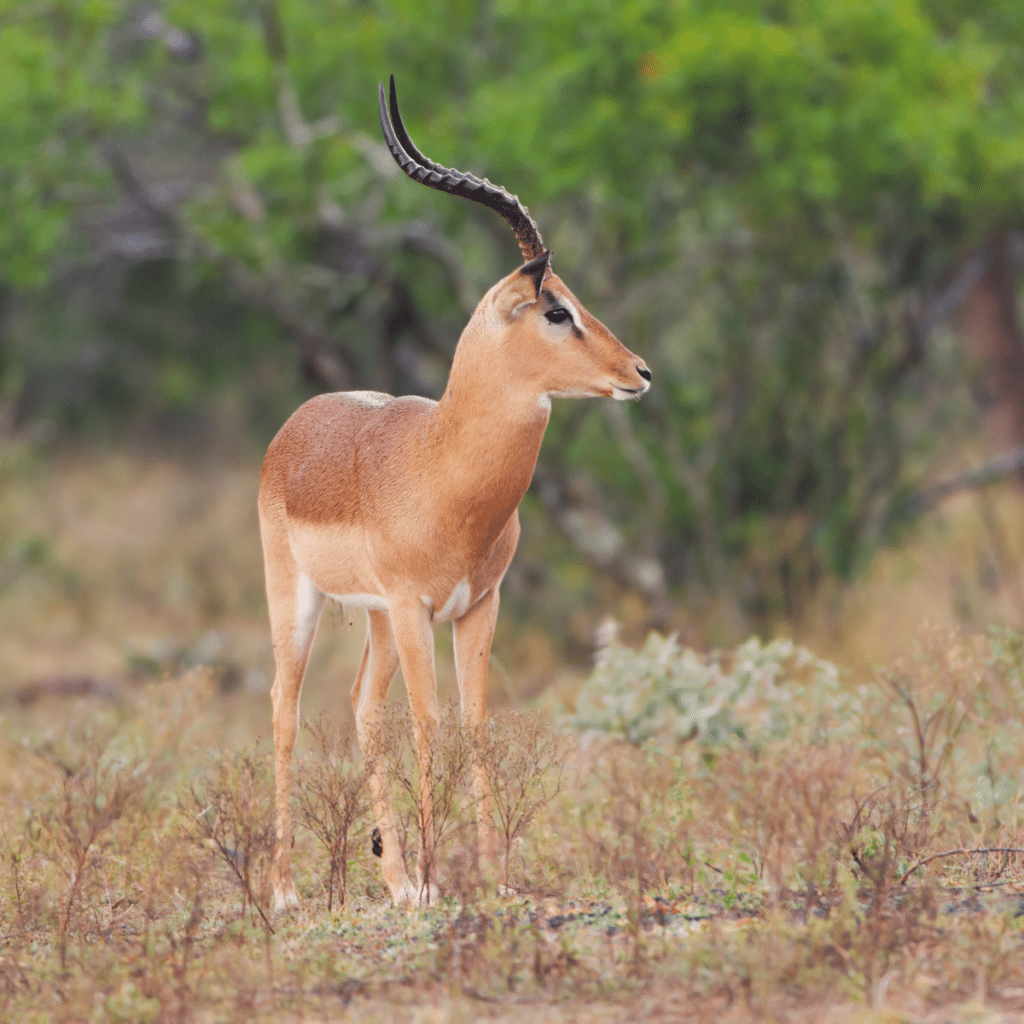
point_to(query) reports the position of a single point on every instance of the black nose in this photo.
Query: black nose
(644, 372)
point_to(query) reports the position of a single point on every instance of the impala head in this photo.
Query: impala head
(529, 323)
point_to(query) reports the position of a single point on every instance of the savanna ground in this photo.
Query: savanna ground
(751, 835)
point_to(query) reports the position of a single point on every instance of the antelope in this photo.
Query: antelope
(408, 508)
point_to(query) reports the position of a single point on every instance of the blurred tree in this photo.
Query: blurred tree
(778, 202)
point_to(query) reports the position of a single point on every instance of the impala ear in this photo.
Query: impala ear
(537, 269)
(522, 287)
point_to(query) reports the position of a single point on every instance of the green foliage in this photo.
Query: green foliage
(942, 728)
(762, 196)
(757, 694)
(58, 96)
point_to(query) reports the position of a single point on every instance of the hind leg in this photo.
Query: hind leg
(295, 605)
(376, 670)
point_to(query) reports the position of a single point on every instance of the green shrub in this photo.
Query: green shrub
(666, 694)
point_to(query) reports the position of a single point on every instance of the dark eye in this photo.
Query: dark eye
(558, 315)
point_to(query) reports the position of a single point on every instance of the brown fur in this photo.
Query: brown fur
(411, 504)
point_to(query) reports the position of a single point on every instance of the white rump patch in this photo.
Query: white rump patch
(458, 602)
(544, 401)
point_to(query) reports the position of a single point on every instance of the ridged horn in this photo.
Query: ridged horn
(458, 183)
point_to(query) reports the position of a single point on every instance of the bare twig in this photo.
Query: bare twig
(297, 131)
(522, 760)
(332, 797)
(956, 853)
(434, 789)
(1007, 568)
(236, 821)
(97, 790)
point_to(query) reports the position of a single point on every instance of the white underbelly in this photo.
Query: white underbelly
(371, 602)
(457, 604)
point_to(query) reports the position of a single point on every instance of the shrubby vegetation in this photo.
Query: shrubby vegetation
(774, 202)
(773, 870)
(667, 695)
(946, 720)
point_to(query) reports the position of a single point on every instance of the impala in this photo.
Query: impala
(408, 508)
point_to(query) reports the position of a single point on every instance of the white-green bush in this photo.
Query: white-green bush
(666, 694)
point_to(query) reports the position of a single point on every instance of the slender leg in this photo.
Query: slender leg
(376, 670)
(472, 636)
(415, 640)
(295, 605)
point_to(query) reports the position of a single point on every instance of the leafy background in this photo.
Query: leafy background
(795, 211)
(807, 216)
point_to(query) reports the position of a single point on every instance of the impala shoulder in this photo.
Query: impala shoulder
(332, 412)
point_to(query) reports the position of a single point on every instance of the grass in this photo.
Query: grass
(819, 867)
(733, 882)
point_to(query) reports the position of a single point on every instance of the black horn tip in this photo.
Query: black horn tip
(403, 135)
(446, 179)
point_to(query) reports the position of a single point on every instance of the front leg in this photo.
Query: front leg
(472, 636)
(414, 637)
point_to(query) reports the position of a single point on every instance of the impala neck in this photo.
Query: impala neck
(493, 425)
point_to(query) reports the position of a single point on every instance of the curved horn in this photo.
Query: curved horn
(447, 179)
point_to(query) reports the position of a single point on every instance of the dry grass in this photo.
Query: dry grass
(816, 881)
(750, 884)
(963, 568)
(332, 798)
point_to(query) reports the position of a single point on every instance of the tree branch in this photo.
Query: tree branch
(296, 130)
(1008, 464)
(326, 360)
(636, 455)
